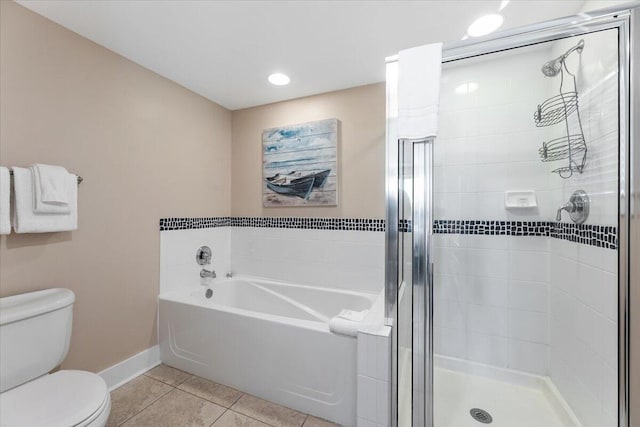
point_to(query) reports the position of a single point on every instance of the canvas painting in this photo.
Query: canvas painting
(300, 165)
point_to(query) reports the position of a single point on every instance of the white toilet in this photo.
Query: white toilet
(35, 331)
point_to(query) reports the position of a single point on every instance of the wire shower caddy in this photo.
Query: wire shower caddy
(557, 109)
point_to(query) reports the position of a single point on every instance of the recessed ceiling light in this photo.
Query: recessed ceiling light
(484, 25)
(466, 88)
(279, 79)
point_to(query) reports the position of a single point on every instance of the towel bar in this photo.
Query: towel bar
(80, 179)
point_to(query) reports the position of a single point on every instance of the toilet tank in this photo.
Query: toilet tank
(35, 331)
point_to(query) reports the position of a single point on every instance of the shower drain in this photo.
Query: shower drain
(481, 415)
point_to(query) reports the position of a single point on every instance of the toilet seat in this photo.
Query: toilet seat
(62, 399)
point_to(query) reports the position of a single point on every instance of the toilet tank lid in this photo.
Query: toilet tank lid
(24, 306)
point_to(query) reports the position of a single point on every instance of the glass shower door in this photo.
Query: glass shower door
(526, 181)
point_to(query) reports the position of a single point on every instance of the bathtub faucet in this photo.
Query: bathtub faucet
(206, 273)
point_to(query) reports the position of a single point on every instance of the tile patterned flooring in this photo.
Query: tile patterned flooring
(165, 396)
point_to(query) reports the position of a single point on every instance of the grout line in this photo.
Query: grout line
(242, 394)
(151, 403)
(164, 382)
(218, 417)
(211, 401)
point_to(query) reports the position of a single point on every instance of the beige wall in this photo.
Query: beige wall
(361, 112)
(147, 149)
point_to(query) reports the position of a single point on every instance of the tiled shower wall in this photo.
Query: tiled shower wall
(583, 329)
(584, 282)
(492, 291)
(491, 300)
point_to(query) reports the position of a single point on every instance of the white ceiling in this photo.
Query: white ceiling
(224, 50)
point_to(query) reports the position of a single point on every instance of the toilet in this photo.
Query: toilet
(35, 332)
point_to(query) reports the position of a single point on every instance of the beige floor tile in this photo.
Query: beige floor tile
(214, 392)
(270, 413)
(233, 419)
(169, 375)
(177, 409)
(318, 422)
(133, 397)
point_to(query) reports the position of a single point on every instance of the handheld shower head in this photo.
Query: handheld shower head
(553, 67)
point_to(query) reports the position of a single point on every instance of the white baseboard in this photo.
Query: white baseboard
(130, 368)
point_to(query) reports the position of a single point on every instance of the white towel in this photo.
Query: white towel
(419, 91)
(25, 220)
(39, 205)
(53, 182)
(5, 201)
(356, 316)
(341, 326)
(347, 322)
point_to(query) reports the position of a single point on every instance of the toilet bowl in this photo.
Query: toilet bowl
(35, 331)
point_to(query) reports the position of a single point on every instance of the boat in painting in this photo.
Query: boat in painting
(320, 177)
(296, 183)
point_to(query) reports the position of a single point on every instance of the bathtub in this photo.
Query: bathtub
(266, 338)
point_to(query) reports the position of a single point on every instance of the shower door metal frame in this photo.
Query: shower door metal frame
(626, 20)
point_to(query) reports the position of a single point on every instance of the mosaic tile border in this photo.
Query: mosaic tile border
(594, 235)
(341, 224)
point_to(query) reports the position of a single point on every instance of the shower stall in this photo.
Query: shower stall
(509, 234)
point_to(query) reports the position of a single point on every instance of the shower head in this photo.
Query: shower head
(553, 67)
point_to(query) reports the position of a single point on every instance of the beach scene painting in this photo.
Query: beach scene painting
(300, 165)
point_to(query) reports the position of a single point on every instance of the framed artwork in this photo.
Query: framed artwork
(300, 164)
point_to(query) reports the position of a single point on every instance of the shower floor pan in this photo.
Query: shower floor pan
(512, 398)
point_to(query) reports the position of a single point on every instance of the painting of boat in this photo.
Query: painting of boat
(299, 187)
(299, 164)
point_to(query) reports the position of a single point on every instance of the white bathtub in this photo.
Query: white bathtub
(266, 338)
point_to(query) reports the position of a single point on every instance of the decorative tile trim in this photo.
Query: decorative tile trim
(167, 224)
(342, 224)
(594, 235)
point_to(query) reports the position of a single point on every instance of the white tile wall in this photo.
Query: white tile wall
(583, 329)
(337, 259)
(178, 267)
(487, 141)
(373, 378)
(597, 90)
(492, 300)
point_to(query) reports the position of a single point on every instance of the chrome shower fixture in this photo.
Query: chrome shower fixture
(553, 67)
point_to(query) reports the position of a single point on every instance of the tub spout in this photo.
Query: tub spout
(206, 273)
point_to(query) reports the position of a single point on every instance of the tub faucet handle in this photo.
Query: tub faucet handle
(206, 273)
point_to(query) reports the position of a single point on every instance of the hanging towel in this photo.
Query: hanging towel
(53, 182)
(347, 322)
(25, 220)
(419, 91)
(5, 201)
(41, 206)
